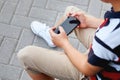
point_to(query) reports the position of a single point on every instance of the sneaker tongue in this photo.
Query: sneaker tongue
(45, 26)
(49, 38)
(48, 33)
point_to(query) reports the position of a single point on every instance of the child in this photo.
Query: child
(102, 61)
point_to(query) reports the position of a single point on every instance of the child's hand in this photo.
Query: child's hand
(81, 17)
(59, 39)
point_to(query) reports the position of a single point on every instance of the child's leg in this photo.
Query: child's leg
(85, 36)
(41, 63)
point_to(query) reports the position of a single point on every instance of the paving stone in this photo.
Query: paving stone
(25, 76)
(14, 60)
(106, 6)
(7, 12)
(74, 42)
(95, 7)
(1, 4)
(48, 23)
(25, 22)
(72, 34)
(102, 13)
(9, 31)
(7, 48)
(1, 38)
(43, 14)
(80, 2)
(40, 3)
(81, 48)
(15, 1)
(84, 8)
(38, 41)
(8, 72)
(23, 7)
(58, 5)
(21, 21)
(60, 14)
(26, 38)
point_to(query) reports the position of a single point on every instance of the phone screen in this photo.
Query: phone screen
(69, 25)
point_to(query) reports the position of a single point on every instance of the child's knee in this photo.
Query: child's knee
(69, 9)
(24, 53)
(72, 9)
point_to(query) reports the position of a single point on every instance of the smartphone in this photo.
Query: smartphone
(69, 25)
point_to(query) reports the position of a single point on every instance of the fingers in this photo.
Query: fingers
(53, 28)
(77, 15)
(52, 33)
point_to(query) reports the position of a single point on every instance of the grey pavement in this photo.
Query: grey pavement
(15, 33)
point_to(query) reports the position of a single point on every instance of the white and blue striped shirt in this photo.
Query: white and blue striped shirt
(105, 51)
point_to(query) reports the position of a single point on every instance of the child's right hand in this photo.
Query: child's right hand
(81, 17)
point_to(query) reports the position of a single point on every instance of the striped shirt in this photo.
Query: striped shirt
(105, 51)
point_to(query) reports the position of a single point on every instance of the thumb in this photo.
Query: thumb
(52, 33)
(61, 30)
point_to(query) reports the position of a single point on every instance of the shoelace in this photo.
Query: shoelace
(45, 26)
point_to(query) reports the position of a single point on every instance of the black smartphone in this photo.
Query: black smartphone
(69, 25)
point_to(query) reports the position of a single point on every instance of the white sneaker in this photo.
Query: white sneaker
(42, 30)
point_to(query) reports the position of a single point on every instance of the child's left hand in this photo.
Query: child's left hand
(59, 39)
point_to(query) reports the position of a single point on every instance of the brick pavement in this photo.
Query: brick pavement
(15, 33)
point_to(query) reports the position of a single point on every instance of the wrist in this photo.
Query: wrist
(66, 46)
(88, 17)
